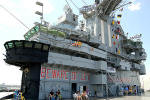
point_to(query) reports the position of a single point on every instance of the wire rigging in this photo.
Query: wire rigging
(84, 2)
(14, 16)
(74, 4)
(67, 3)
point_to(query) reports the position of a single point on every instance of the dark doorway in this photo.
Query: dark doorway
(74, 87)
(84, 88)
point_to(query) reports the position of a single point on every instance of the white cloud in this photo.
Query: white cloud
(135, 6)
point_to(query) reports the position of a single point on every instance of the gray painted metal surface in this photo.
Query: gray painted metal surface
(117, 60)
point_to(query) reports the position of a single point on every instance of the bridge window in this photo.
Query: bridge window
(45, 47)
(10, 45)
(28, 45)
(18, 44)
(38, 46)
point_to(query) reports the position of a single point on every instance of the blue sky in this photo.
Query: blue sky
(135, 20)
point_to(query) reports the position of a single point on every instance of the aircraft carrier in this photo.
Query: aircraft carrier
(93, 55)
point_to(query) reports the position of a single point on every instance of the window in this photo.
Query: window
(36, 28)
(18, 44)
(38, 46)
(45, 47)
(32, 31)
(28, 45)
(10, 45)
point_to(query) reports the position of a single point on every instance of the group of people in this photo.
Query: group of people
(129, 90)
(55, 96)
(82, 96)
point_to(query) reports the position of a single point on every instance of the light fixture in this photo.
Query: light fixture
(38, 12)
(39, 3)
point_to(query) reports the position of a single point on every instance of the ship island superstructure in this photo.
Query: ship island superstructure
(94, 55)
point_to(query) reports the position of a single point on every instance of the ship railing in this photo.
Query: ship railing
(130, 44)
(86, 9)
(44, 29)
(143, 57)
(67, 30)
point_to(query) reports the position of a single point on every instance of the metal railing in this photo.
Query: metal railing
(44, 29)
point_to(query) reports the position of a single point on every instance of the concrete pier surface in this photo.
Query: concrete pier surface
(145, 96)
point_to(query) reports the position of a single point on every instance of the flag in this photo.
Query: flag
(117, 37)
(121, 9)
(113, 36)
(113, 22)
(76, 43)
(113, 16)
(119, 16)
(118, 29)
(118, 22)
(114, 43)
(73, 43)
(79, 44)
(118, 51)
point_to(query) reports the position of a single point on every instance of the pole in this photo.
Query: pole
(39, 13)
(107, 87)
(42, 15)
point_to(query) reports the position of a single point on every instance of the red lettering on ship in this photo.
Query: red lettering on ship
(83, 76)
(62, 74)
(73, 76)
(58, 75)
(54, 73)
(48, 71)
(66, 74)
(43, 72)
